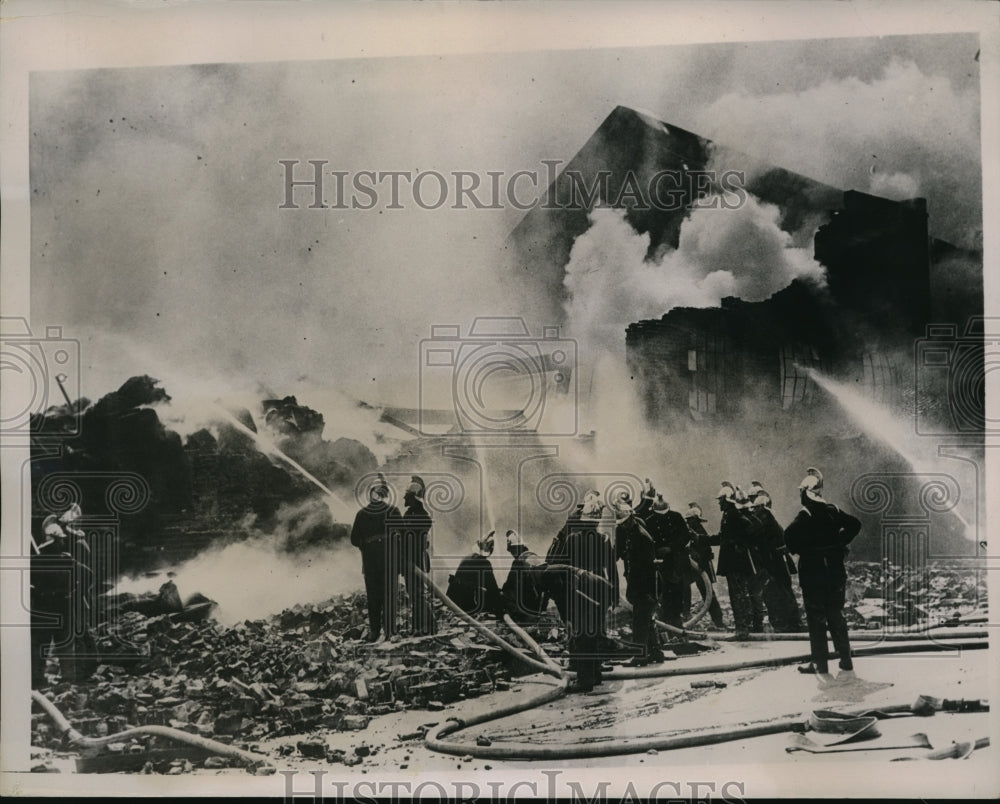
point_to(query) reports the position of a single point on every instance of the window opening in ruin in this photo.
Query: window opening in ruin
(706, 362)
(796, 385)
(879, 377)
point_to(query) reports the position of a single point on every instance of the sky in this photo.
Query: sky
(157, 238)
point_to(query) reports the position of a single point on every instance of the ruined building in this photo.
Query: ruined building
(887, 283)
(860, 329)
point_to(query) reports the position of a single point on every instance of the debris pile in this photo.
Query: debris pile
(886, 595)
(306, 668)
(197, 488)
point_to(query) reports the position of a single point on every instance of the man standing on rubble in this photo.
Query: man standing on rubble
(372, 533)
(635, 547)
(414, 553)
(671, 536)
(782, 607)
(702, 555)
(736, 563)
(61, 580)
(584, 561)
(555, 581)
(820, 535)
(473, 586)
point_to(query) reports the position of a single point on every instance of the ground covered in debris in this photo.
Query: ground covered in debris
(305, 689)
(308, 668)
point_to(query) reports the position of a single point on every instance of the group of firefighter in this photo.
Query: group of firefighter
(663, 553)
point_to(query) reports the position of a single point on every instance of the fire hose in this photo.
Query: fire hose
(436, 738)
(781, 661)
(436, 741)
(709, 595)
(527, 639)
(496, 639)
(77, 740)
(875, 635)
(921, 627)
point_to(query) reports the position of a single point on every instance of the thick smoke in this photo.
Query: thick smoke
(611, 284)
(295, 562)
(901, 133)
(201, 399)
(201, 264)
(741, 252)
(896, 186)
(347, 417)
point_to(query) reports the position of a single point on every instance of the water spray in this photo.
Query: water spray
(338, 508)
(876, 422)
(491, 521)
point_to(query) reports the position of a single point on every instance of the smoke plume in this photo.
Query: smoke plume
(297, 561)
(906, 131)
(741, 252)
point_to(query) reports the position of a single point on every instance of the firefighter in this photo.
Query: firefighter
(413, 550)
(634, 546)
(820, 535)
(474, 587)
(779, 597)
(756, 550)
(736, 562)
(61, 588)
(523, 596)
(671, 537)
(702, 555)
(583, 560)
(374, 527)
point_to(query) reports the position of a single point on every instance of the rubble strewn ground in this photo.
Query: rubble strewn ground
(892, 596)
(306, 668)
(889, 597)
(283, 684)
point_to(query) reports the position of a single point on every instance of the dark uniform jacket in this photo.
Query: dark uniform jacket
(701, 547)
(522, 590)
(671, 536)
(735, 538)
(61, 572)
(474, 587)
(819, 535)
(771, 547)
(584, 556)
(414, 538)
(635, 547)
(373, 527)
(556, 554)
